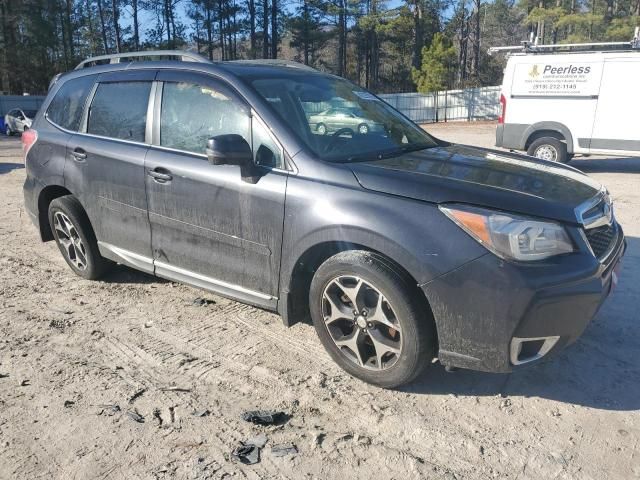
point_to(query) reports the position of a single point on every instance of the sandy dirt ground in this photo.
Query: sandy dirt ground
(79, 360)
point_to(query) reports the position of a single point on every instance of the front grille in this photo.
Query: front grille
(601, 239)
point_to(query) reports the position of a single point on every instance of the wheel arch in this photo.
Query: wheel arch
(47, 195)
(294, 305)
(548, 129)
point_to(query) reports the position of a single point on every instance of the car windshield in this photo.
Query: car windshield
(30, 113)
(338, 120)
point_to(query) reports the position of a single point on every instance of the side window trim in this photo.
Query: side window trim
(87, 110)
(255, 117)
(84, 119)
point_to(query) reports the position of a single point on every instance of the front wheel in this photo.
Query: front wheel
(369, 320)
(8, 131)
(321, 129)
(363, 129)
(550, 149)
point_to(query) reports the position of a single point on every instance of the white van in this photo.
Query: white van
(557, 104)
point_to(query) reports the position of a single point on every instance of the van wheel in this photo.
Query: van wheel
(550, 149)
(75, 238)
(8, 131)
(369, 320)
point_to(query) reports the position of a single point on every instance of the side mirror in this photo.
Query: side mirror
(230, 149)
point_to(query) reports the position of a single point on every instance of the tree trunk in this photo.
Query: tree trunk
(221, 27)
(252, 28)
(69, 6)
(418, 39)
(105, 43)
(265, 28)
(209, 30)
(342, 39)
(136, 25)
(305, 33)
(116, 24)
(540, 29)
(274, 28)
(476, 42)
(167, 21)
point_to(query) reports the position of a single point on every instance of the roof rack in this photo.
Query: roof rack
(276, 62)
(162, 54)
(532, 46)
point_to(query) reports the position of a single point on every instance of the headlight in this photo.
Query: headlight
(511, 236)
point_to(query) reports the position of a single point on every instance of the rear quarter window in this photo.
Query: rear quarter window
(66, 107)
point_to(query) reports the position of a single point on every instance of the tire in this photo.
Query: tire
(550, 149)
(8, 131)
(409, 328)
(321, 129)
(363, 129)
(78, 246)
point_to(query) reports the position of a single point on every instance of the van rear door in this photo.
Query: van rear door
(615, 127)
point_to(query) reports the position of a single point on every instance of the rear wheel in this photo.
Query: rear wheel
(363, 129)
(369, 320)
(8, 131)
(322, 129)
(550, 149)
(75, 238)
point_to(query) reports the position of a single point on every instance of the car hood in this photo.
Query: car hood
(482, 177)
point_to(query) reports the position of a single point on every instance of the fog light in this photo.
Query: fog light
(525, 350)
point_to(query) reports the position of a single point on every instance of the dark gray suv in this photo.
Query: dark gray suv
(400, 247)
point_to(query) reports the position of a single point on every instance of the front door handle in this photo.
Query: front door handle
(79, 155)
(160, 175)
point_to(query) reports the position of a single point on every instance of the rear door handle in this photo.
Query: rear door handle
(79, 155)
(160, 175)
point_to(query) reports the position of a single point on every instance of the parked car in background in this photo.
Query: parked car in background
(399, 246)
(343, 120)
(17, 120)
(562, 100)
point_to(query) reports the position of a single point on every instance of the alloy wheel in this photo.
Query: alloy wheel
(363, 129)
(70, 240)
(361, 322)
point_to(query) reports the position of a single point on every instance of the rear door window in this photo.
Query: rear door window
(119, 110)
(65, 110)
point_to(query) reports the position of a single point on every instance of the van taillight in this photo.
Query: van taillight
(29, 137)
(503, 108)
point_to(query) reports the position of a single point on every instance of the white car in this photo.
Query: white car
(17, 120)
(558, 101)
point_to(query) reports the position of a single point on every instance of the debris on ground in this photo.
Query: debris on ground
(156, 415)
(201, 413)
(135, 416)
(202, 302)
(247, 454)
(69, 403)
(258, 441)
(110, 410)
(175, 389)
(264, 417)
(25, 383)
(4, 375)
(137, 395)
(283, 449)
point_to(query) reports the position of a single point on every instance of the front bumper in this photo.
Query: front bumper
(488, 311)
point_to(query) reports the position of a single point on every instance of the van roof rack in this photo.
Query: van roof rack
(532, 46)
(180, 55)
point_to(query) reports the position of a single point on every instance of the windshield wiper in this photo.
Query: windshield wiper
(389, 153)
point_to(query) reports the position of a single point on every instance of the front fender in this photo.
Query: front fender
(414, 234)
